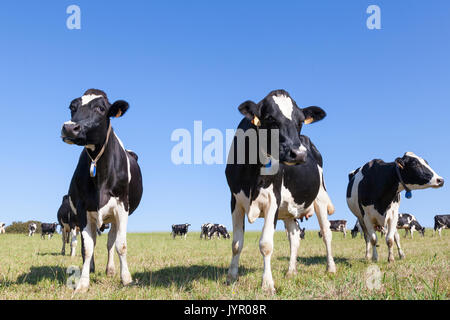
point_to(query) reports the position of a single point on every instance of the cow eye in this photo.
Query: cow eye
(101, 109)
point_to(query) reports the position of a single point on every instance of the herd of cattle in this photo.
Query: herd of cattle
(284, 182)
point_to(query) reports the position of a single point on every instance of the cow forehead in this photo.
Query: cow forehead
(285, 105)
(88, 98)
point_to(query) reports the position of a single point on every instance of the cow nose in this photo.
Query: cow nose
(440, 181)
(71, 129)
(298, 155)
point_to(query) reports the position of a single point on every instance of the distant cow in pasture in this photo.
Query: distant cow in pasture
(2, 227)
(410, 224)
(441, 222)
(275, 173)
(48, 229)
(32, 227)
(68, 221)
(106, 186)
(204, 229)
(373, 195)
(180, 230)
(356, 229)
(337, 226)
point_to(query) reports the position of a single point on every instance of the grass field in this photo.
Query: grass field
(163, 268)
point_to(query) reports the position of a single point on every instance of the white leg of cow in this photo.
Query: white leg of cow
(397, 243)
(321, 209)
(266, 246)
(390, 238)
(73, 242)
(439, 231)
(112, 234)
(121, 245)
(88, 236)
(293, 233)
(238, 242)
(345, 233)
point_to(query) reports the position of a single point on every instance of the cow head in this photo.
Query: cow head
(417, 173)
(90, 118)
(279, 111)
(354, 233)
(302, 233)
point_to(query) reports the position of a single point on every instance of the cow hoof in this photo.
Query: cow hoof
(291, 273)
(231, 279)
(331, 268)
(81, 288)
(126, 280)
(269, 289)
(110, 272)
(402, 255)
(391, 259)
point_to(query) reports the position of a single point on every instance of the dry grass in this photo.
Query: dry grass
(31, 268)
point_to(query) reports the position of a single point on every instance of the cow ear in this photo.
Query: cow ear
(251, 111)
(313, 114)
(118, 109)
(400, 163)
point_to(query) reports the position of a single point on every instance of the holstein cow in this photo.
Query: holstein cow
(410, 224)
(286, 183)
(2, 227)
(337, 226)
(68, 221)
(441, 222)
(106, 186)
(373, 195)
(32, 227)
(179, 230)
(204, 230)
(302, 231)
(48, 229)
(217, 230)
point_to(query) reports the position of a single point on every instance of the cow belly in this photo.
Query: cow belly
(289, 209)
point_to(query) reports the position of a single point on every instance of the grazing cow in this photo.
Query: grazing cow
(102, 228)
(337, 226)
(410, 224)
(373, 195)
(357, 228)
(106, 186)
(218, 230)
(204, 229)
(48, 229)
(285, 184)
(32, 227)
(441, 222)
(68, 221)
(2, 227)
(302, 231)
(179, 230)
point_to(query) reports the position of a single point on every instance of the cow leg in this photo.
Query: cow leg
(87, 236)
(320, 207)
(345, 233)
(238, 241)
(73, 242)
(390, 238)
(266, 246)
(293, 233)
(121, 244)
(112, 235)
(63, 236)
(397, 243)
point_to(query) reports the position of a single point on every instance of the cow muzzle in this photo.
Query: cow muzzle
(70, 132)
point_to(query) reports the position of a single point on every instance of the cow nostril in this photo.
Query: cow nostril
(440, 181)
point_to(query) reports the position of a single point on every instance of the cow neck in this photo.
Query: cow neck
(400, 179)
(94, 161)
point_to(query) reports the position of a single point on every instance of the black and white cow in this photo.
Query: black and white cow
(48, 229)
(180, 230)
(286, 183)
(410, 224)
(441, 221)
(68, 221)
(204, 230)
(2, 227)
(106, 186)
(337, 226)
(373, 195)
(302, 231)
(218, 230)
(32, 227)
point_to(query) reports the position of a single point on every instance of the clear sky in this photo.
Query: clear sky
(385, 92)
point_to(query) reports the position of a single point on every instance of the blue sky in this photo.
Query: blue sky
(385, 92)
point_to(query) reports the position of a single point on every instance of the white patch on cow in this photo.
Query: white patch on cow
(88, 98)
(69, 122)
(126, 156)
(261, 204)
(285, 105)
(353, 201)
(289, 209)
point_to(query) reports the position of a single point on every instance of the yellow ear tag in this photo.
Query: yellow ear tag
(256, 121)
(119, 113)
(308, 120)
